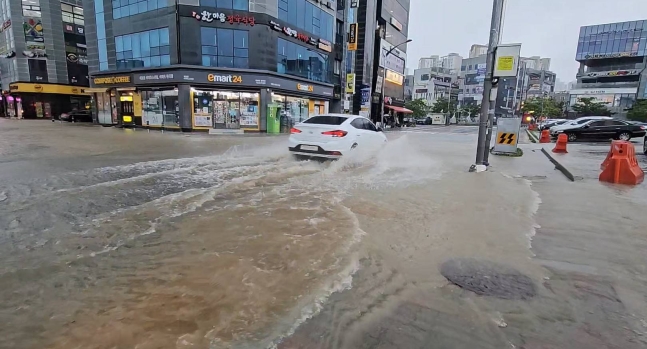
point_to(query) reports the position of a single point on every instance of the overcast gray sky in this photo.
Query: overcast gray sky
(546, 28)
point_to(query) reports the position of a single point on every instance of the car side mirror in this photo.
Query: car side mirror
(586, 126)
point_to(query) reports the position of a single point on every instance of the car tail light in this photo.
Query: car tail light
(294, 130)
(335, 133)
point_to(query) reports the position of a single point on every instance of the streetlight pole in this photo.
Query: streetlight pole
(384, 77)
(495, 33)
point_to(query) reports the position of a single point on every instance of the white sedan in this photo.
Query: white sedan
(333, 135)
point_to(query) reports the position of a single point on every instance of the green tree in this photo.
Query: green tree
(470, 110)
(442, 105)
(418, 107)
(639, 111)
(543, 106)
(586, 106)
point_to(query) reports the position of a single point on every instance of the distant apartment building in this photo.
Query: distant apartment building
(612, 58)
(477, 50)
(429, 62)
(536, 62)
(452, 62)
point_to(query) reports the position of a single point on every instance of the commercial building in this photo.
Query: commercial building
(472, 75)
(217, 66)
(43, 58)
(612, 61)
(430, 84)
(408, 87)
(382, 27)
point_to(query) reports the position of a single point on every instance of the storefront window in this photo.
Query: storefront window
(226, 109)
(160, 108)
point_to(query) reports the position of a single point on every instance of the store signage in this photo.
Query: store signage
(325, 45)
(295, 34)
(226, 78)
(233, 79)
(34, 53)
(350, 83)
(612, 55)
(305, 88)
(352, 37)
(395, 60)
(613, 73)
(155, 77)
(629, 90)
(109, 80)
(396, 24)
(5, 25)
(206, 16)
(394, 77)
(354, 3)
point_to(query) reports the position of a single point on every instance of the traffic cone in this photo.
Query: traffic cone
(560, 146)
(622, 167)
(545, 137)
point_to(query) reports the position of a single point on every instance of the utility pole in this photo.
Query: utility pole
(495, 33)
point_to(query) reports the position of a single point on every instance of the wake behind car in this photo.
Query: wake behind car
(333, 135)
(603, 129)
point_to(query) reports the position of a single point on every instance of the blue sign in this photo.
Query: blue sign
(366, 95)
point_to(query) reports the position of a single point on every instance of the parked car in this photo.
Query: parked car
(77, 116)
(424, 121)
(603, 129)
(576, 122)
(548, 124)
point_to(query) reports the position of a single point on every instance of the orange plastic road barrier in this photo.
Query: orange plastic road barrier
(608, 158)
(622, 167)
(560, 146)
(545, 137)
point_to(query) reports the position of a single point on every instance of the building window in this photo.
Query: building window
(101, 35)
(72, 14)
(337, 69)
(294, 59)
(144, 49)
(31, 8)
(225, 48)
(227, 4)
(125, 8)
(307, 16)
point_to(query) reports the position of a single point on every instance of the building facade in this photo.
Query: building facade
(217, 66)
(477, 50)
(382, 27)
(430, 62)
(612, 61)
(430, 84)
(452, 62)
(472, 73)
(43, 58)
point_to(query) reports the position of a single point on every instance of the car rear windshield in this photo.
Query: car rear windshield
(326, 120)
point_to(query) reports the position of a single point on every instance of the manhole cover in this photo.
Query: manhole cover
(488, 279)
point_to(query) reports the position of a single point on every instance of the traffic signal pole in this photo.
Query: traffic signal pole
(486, 117)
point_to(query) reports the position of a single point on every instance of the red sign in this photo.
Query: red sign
(206, 16)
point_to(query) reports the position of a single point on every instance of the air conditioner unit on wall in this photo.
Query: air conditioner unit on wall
(329, 5)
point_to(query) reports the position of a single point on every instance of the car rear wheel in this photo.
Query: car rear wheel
(624, 136)
(572, 137)
(645, 146)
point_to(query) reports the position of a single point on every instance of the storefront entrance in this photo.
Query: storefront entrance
(226, 109)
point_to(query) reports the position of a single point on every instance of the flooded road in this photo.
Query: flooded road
(128, 239)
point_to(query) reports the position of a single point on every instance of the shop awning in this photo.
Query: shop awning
(399, 109)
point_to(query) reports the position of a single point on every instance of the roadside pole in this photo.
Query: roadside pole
(495, 32)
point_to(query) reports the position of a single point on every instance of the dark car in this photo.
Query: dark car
(424, 121)
(77, 116)
(605, 129)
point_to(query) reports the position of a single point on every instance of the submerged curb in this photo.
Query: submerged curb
(559, 166)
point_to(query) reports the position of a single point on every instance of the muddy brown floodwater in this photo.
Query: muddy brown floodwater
(127, 239)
